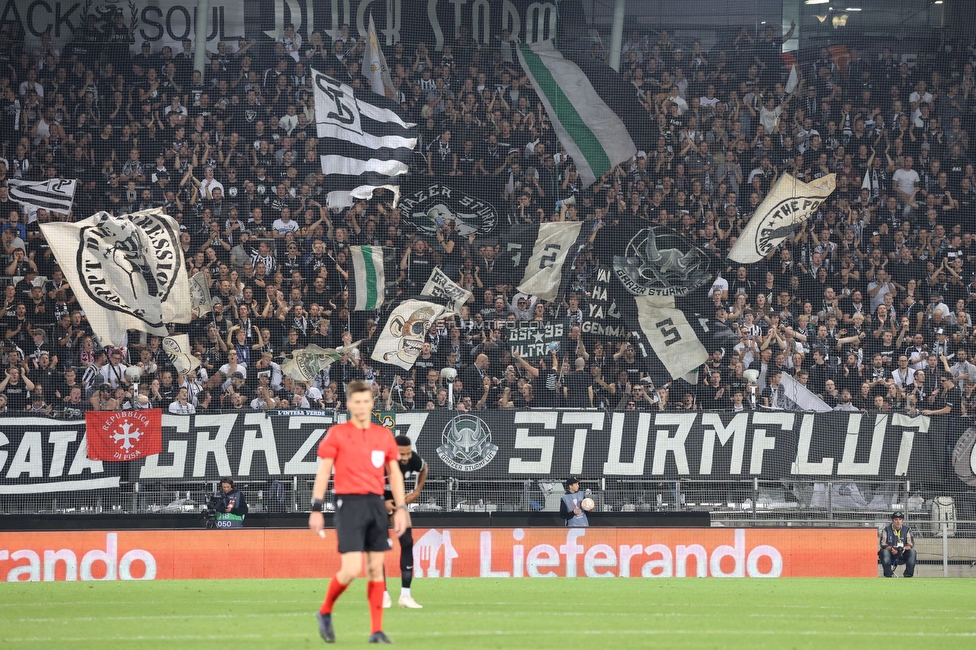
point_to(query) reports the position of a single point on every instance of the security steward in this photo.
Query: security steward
(412, 466)
(897, 547)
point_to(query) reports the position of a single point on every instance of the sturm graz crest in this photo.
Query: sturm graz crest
(130, 264)
(466, 444)
(437, 202)
(659, 262)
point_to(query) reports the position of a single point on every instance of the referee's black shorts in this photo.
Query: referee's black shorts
(361, 523)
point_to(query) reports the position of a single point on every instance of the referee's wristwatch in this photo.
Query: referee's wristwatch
(403, 507)
(318, 505)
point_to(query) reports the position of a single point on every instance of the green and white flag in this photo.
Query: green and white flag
(367, 283)
(592, 133)
(304, 364)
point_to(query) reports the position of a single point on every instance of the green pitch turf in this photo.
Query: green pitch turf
(470, 614)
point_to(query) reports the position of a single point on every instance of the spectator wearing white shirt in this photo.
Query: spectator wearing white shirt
(906, 182)
(209, 184)
(113, 373)
(182, 406)
(264, 399)
(31, 83)
(916, 99)
(232, 367)
(285, 224)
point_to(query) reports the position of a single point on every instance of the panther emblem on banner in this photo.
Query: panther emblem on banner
(658, 261)
(466, 444)
(429, 207)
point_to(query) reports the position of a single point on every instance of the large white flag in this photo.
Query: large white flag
(670, 334)
(127, 271)
(782, 214)
(592, 133)
(440, 285)
(374, 64)
(178, 349)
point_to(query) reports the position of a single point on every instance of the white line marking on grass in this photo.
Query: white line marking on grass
(161, 617)
(311, 633)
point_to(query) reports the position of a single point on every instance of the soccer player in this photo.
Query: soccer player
(411, 466)
(360, 452)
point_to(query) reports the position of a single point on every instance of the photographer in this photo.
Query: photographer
(897, 546)
(230, 501)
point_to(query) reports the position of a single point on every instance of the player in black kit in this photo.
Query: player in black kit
(412, 466)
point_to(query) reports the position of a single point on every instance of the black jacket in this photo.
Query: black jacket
(235, 499)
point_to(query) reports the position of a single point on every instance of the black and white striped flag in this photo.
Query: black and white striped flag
(55, 195)
(364, 143)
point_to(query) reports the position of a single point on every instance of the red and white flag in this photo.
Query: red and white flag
(117, 436)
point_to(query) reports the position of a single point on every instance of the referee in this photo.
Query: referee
(412, 466)
(360, 452)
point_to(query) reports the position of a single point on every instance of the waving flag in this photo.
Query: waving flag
(402, 338)
(374, 64)
(364, 143)
(593, 134)
(782, 213)
(536, 255)
(177, 348)
(372, 268)
(128, 271)
(440, 285)
(55, 195)
(305, 364)
(201, 302)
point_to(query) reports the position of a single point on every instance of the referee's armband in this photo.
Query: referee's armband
(318, 505)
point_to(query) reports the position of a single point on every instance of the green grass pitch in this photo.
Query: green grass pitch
(483, 613)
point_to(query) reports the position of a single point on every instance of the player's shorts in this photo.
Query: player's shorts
(361, 523)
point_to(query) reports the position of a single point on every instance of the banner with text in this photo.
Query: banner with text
(39, 455)
(434, 22)
(444, 553)
(162, 22)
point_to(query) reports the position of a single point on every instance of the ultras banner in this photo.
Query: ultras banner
(39, 455)
(435, 22)
(161, 22)
(443, 553)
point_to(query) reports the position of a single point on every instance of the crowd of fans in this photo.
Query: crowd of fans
(867, 306)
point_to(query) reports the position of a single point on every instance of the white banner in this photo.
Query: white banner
(200, 301)
(671, 337)
(782, 214)
(161, 22)
(441, 286)
(128, 272)
(179, 351)
(402, 338)
(544, 270)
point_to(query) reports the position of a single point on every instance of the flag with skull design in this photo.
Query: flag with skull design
(402, 338)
